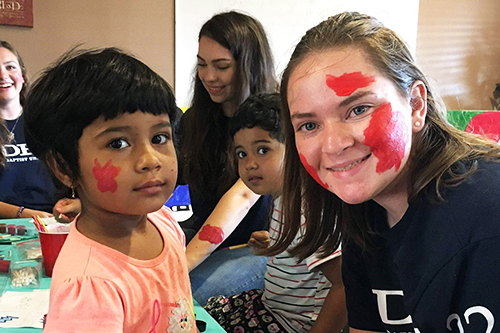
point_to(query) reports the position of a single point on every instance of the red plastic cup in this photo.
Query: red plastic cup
(51, 243)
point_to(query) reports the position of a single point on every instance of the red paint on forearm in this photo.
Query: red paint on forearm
(348, 83)
(387, 136)
(105, 176)
(211, 234)
(312, 171)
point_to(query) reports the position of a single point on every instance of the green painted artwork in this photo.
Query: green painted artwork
(485, 123)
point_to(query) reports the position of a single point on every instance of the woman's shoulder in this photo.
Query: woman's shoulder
(484, 176)
(472, 206)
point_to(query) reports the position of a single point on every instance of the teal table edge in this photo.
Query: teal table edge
(201, 314)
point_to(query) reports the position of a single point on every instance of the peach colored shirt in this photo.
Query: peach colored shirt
(98, 289)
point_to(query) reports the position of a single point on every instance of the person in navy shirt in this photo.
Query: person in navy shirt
(413, 199)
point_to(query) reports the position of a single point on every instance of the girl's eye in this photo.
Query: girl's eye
(201, 65)
(240, 154)
(223, 68)
(262, 150)
(359, 110)
(160, 139)
(307, 127)
(11, 67)
(118, 144)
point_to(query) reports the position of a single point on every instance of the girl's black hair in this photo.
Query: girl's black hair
(82, 86)
(260, 110)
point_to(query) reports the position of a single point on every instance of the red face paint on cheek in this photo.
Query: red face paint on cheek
(387, 136)
(312, 171)
(348, 83)
(212, 234)
(105, 176)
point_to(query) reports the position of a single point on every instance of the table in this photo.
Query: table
(201, 314)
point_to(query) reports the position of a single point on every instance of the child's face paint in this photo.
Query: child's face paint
(387, 135)
(348, 83)
(128, 164)
(352, 129)
(105, 176)
(211, 234)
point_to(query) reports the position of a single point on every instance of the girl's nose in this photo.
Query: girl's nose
(251, 164)
(148, 159)
(337, 137)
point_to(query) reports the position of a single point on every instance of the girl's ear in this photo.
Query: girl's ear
(60, 171)
(418, 103)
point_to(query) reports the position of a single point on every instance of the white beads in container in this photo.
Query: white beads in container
(26, 274)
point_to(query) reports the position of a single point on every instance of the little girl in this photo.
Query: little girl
(101, 120)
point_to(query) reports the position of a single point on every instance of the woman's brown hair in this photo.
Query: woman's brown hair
(206, 166)
(436, 148)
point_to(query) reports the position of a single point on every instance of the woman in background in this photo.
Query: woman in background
(234, 61)
(25, 185)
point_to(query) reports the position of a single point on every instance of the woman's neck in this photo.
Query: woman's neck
(395, 200)
(229, 108)
(11, 110)
(396, 207)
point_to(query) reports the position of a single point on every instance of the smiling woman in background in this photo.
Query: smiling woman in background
(25, 186)
(234, 61)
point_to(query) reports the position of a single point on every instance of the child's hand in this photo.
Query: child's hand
(259, 240)
(65, 210)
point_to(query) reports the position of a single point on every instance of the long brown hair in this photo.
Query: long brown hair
(207, 166)
(434, 151)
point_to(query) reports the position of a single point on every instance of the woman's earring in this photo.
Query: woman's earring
(417, 123)
(72, 192)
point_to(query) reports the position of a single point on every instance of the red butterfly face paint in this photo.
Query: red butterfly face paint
(348, 83)
(211, 234)
(387, 136)
(105, 176)
(312, 171)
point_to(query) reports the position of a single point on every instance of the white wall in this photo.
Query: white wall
(285, 22)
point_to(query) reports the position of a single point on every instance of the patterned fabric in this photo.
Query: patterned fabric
(294, 291)
(243, 313)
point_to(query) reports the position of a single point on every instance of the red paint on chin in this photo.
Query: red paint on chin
(312, 171)
(105, 176)
(348, 83)
(212, 234)
(387, 136)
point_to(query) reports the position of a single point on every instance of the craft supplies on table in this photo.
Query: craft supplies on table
(16, 230)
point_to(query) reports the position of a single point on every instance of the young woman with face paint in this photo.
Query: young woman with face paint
(234, 61)
(414, 199)
(25, 186)
(122, 267)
